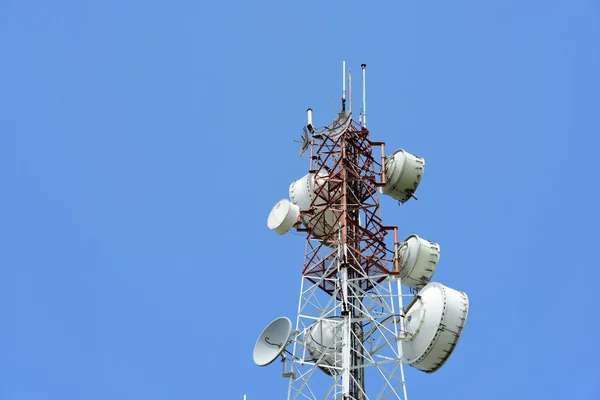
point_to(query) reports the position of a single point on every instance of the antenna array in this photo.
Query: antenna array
(351, 325)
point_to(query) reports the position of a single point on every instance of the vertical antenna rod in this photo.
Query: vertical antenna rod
(364, 110)
(343, 85)
(350, 91)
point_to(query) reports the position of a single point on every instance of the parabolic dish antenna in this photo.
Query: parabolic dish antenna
(340, 124)
(434, 324)
(324, 344)
(304, 143)
(312, 187)
(272, 341)
(403, 174)
(283, 216)
(418, 260)
(303, 193)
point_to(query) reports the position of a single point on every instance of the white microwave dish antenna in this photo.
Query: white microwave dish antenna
(403, 175)
(283, 216)
(303, 193)
(434, 324)
(324, 344)
(418, 259)
(272, 341)
(304, 190)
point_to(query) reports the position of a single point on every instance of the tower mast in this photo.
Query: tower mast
(350, 292)
(351, 324)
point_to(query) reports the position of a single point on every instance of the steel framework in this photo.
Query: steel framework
(350, 277)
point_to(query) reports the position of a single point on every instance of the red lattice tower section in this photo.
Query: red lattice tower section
(344, 224)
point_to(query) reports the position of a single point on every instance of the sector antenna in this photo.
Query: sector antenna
(368, 305)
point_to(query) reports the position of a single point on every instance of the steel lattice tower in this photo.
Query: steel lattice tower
(352, 332)
(349, 279)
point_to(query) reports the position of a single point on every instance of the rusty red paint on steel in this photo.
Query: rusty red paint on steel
(349, 190)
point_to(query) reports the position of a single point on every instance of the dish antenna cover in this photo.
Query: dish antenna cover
(272, 341)
(283, 216)
(305, 142)
(403, 174)
(340, 124)
(324, 344)
(434, 325)
(303, 193)
(418, 260)
(304, 190)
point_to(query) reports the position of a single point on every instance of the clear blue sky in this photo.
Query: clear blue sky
(143, 144)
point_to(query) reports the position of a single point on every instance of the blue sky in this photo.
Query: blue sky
(143, 144)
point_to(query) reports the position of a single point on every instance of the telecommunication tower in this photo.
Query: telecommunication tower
(353, 332)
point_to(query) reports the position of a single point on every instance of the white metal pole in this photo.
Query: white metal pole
(364, 95)
(350, 91)
(346, 338)
(343, 83)
(402, 333)
(294, 354)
